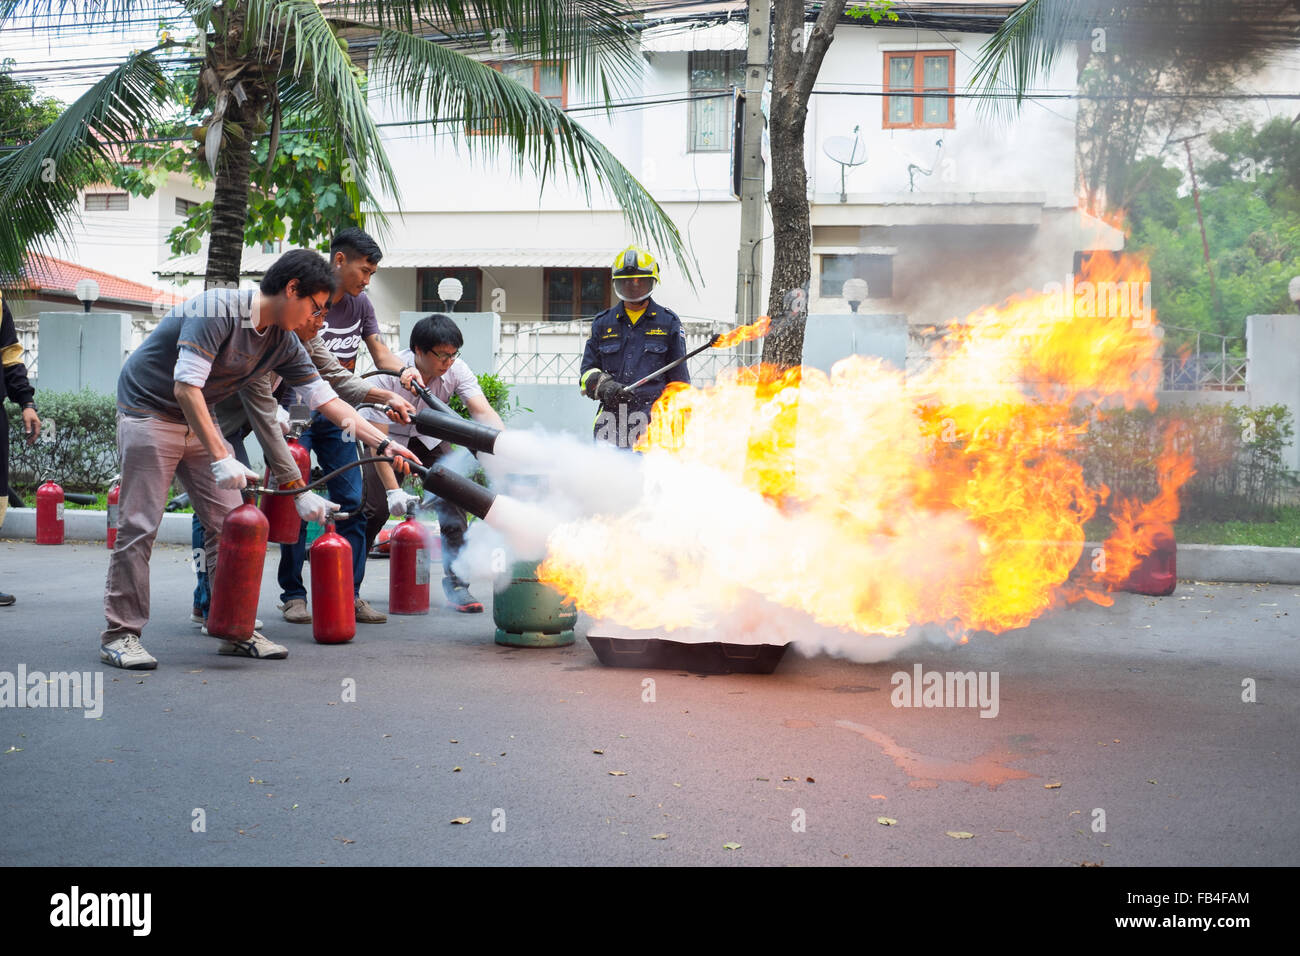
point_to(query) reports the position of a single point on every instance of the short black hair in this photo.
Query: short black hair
(434, 330)
(353, 242)
(310, 268)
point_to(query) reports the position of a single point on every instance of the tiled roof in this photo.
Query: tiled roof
(47, 274)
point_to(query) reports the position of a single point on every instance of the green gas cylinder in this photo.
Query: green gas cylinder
(529, 613)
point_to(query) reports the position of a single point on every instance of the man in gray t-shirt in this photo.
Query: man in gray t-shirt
(202, 352)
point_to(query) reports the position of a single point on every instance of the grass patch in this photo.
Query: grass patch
(1282, 533)
(101, 504)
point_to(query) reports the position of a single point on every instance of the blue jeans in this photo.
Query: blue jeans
(202, 589)
(326, 439)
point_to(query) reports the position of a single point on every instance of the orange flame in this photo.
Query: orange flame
(875, 501)
(1141, 526)
(744, 333)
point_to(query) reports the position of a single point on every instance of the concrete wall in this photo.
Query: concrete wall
(480, 329)
(829, 338)
(83, 350)
(1273, 375)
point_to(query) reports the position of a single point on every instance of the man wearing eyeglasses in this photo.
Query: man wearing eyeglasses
(201, 353)
(349, 321)
(436, 341)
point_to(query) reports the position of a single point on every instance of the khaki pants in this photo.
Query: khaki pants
(152, 452)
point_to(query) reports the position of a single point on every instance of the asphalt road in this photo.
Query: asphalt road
(1121, 738)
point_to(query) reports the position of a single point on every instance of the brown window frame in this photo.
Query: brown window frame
(537, 82)
(107, 198)
(918, 100)
(454, 271)
(577, 292)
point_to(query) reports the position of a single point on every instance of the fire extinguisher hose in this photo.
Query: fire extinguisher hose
(437, 480)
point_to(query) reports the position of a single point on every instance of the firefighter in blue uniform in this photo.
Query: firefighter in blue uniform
(628, 342)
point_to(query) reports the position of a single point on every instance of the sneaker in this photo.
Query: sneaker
(459, 599)
(295, 611)
(198, 620)
(256, 646)
(6, 599)
(368, 615)
(127, 653)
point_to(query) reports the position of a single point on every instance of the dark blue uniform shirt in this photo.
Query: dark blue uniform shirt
(630, 352)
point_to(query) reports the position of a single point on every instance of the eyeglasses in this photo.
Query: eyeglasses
(320, 309)
(445, 356)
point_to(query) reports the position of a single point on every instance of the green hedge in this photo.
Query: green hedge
(497, 393)
(1237, 452)
(77, 447)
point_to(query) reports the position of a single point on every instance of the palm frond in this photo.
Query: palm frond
(444, 85)
(318, 79)
(1211, 35)
(100, 13)
(39, 183)
(1026, 45)
(593, 37)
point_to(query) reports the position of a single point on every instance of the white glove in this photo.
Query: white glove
(312, 507)
(399, 501)
(231, 474)
(282, 418)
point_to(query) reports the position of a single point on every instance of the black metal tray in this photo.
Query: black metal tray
(713, 657)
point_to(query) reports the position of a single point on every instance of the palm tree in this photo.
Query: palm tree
(1209, 34)
(264, 59)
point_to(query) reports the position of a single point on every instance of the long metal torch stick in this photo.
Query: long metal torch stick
(676, 362)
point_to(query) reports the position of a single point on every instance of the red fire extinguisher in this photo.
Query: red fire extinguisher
(408, 569)
(238, 579)
(114, 495)
(1157, 572)
(279, 510)
(49, 513)
(333, 603)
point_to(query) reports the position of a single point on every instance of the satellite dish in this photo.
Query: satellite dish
(847, 152)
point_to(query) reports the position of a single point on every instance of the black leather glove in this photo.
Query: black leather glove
(607, 390)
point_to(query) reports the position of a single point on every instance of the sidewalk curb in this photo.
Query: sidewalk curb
(1238, 563)
(1230, 563)
(85, 524)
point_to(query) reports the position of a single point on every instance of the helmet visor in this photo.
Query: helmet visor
(633, 288)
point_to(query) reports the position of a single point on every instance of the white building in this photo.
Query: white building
(951, 210)
(126, 235)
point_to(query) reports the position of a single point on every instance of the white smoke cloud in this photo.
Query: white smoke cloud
(666, 515)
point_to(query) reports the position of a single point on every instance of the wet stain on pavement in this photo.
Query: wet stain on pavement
(987, 770)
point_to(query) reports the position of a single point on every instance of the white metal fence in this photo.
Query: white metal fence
(539, 366)
(1206, 364)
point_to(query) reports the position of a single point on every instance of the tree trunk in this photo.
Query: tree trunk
(229, 213)
(794, 71)
(229, 67)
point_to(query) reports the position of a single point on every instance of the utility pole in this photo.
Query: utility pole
(1196, 199)
(749, 288)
